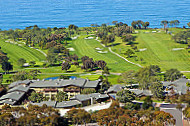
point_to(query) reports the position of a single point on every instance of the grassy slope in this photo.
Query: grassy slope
(15, 52)
(87, 47)
(159, 51)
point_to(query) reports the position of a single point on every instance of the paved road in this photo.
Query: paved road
(176, 114)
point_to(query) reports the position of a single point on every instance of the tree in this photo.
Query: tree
(66, 66)
(172, 74)
(73, 27)
(147, 103)
(36, 97)
(101, 64)
(88, 91)
(132, 106)
(32, 63)
(176, 22)
(146, 24)
(51, 58)
(171, 23)
(105, 71)
(164, 23)
(61, 96)
(128, 38)
(129, 52)
(6, 66)
(188, 24)
(21, 75)
(146, 76)
(78, 116)
(21, 61)
(129, 77)
(108, 39)
(157, 89)
(125, 96)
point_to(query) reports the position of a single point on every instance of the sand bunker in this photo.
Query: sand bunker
(102, 51)
(142, 49)
(98, 49)
(89, 38)
(175, 49)
(71, 49)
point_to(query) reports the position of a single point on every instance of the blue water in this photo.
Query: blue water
(51, 78)
(61, 13)
(54, 78)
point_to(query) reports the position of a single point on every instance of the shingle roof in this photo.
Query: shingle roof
(85, 97)
(81, 97)
(141, 92)
(19, 82)
(98, 95)
(8, 101)
(91, 84)
(13, 95)
(58, 83)
(115, 88)
(178, 85)
(48, 103)
(66, 104)
(19, 88)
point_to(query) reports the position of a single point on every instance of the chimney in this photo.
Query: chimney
(91, 99)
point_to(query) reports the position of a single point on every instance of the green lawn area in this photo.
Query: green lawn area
(158, 51)
(14, 52)
(87, 47)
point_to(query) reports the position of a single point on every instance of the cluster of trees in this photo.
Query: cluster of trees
(115, 115)
(33, 115)
(44, 38)
(182, 37)
(166, 23)
(24, 75)
(4, 62)
(107, 33)
(89, 63)
(139, 24)
(149, 78)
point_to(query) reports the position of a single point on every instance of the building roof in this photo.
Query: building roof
(65, 104)
(139, 92)
(58, 83)
(19, 88)
(178, 85)
(81, 97)
(85, 97)
(115, 88)
(92, 84)
(19, 82)
(48, 103)
(13, 95)
(8, 101)
(98, 96)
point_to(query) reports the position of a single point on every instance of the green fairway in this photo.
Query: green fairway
(87, 47)
(14, 52)
(158, 50)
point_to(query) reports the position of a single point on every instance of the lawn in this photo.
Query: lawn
(159, 51)
(14, 52)
(87, 48)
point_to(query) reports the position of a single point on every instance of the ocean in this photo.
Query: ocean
(61, 13)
